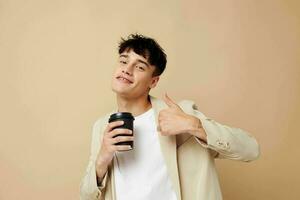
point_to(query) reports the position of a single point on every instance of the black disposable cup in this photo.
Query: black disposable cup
(128, 124)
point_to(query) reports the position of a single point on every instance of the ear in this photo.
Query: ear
(154, 81)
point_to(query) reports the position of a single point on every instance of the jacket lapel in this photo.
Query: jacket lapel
(168, 147)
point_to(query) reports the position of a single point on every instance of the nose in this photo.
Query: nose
(127, 69)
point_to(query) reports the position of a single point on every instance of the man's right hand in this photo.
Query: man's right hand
(108, 147)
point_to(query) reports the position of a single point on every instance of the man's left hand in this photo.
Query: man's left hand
(173, 120)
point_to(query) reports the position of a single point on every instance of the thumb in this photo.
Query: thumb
(170, 102)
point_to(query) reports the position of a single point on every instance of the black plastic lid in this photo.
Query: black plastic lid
(120, 115)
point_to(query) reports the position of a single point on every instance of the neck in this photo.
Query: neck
(135, 106)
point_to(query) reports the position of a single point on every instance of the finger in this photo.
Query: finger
(120, 131)
(170, 102)
(110, 126)
(122, 139)
(122, 147)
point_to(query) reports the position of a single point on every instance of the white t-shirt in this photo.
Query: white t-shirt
(141, 173)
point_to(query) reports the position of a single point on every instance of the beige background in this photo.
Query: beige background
(238, 60)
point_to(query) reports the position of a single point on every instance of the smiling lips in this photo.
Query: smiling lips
(124, 80)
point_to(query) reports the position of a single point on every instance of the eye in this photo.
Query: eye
(123, 62)
(141, 68)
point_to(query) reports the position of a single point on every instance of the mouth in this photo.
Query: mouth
(124, 80)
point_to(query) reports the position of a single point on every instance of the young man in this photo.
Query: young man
(174, 144)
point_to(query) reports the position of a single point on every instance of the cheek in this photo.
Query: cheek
(117, 69)
(116, 72)
(144, 81)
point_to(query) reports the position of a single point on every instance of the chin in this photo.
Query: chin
(121, 92)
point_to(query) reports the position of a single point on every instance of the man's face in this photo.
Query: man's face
(133, 75)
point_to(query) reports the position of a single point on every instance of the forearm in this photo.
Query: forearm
(89, 190)
(229, 142)
(101, 169)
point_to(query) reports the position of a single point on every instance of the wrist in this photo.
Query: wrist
(197, 129)
(101, 169)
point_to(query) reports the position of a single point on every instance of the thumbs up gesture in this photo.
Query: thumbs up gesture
(173, 120)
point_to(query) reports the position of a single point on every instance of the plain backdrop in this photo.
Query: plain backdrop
(237, 59)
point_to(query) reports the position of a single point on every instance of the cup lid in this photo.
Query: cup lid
(120, 115)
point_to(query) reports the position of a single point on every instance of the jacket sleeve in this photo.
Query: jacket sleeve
(227, 142)
(89, 189)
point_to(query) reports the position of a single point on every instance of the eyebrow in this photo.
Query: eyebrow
(143, 62)
(123, 55)
(139, 60)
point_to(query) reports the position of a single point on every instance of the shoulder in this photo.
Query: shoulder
(188, 105)
(101, 121)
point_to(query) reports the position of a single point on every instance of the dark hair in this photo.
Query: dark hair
(146, 47)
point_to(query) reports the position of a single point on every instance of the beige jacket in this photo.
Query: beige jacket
(190, 162)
